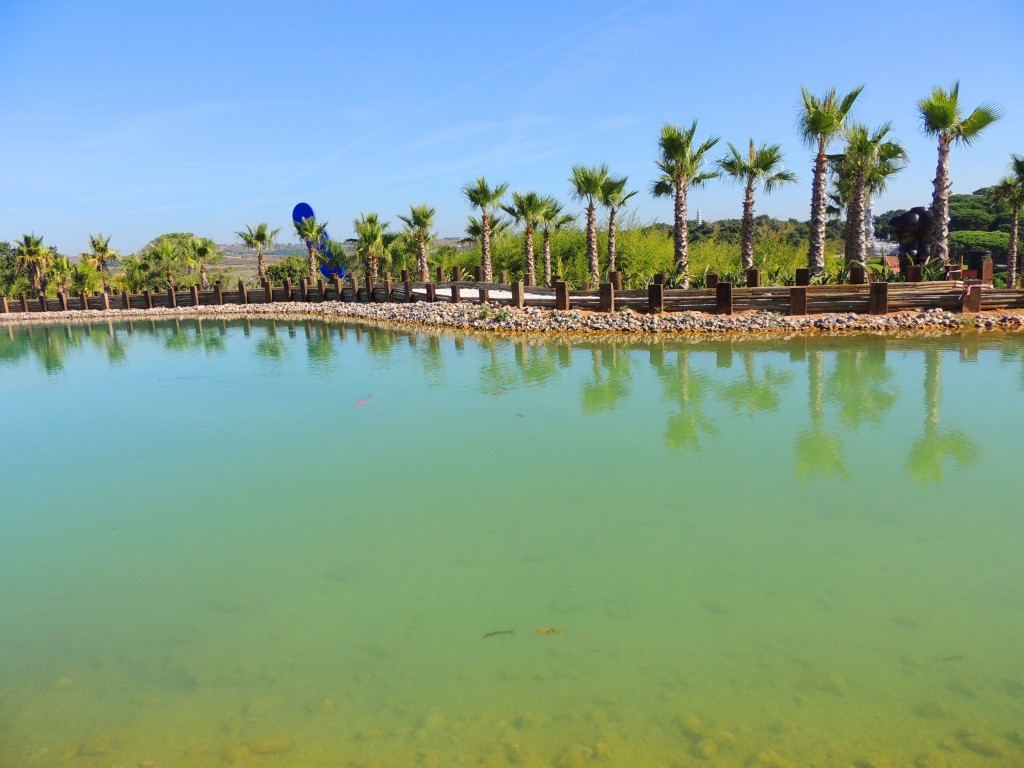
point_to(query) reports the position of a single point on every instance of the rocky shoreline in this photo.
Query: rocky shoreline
(503, 319)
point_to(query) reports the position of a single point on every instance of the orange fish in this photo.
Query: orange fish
(364, 401)
(549, 631)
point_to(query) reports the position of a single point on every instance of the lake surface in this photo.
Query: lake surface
(290, 543)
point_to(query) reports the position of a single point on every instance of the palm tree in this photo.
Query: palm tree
(613, 197)
(680, 165)
(100, 253)
(204, 250)
(1011, 192)
(61, 272)
(863, 169)
(259, 239)
(475, 228)
(417, 225)
(763, 166)
(586, 184)
(371, 246)
(821, 121)
(554, 219)
(35, 259)
(527, 209)
(313, 233)
(482, 196)
(942, 117)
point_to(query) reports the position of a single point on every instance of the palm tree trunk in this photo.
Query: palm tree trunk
(485, 246)
(1011, 260)
(857, 241)
(595, 268)
(747, 227)
(261, 267)
(681, 235)
(816, 252)
(371, 277)
(611, 240)
(547, 257)
(421, 261)
(312, 264)
(531, 269)
(940, 204)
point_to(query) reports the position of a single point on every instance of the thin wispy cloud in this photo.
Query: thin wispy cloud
(448, 135)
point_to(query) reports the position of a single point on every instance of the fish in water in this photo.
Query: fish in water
(549, 631)
(499, 633)
(364, 401)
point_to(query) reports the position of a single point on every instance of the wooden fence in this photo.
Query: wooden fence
(724, 298)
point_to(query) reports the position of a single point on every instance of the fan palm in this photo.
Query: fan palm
(942, 117)
(759, 166)
(863, 169)
(418, 227)
(313, 233)
(681, 169)
(821, 121)
(527, 209)
(259, 239)
(613, 197)
(35, 259)
(586, 184)
(554, 219)
(475, 228)
(481, 195)
(371, 243)
(100, 253)
(203, 251)
(1011, 192)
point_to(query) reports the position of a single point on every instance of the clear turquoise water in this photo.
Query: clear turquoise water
(772, 553)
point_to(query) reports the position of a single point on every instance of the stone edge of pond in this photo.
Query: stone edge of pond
(534, 320)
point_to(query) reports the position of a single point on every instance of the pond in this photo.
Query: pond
(291, 543)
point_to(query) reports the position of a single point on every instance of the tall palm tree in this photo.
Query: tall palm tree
(586, 183)
(35, 259)
(475, 228)
(203, 251)
(821, 121)
(259, 239)
(312, 232)
(481, 195)
(418, 227)
(554, 219)
(863, 170)
(942, 117)
(371, 245)
(681, 169)
(1011, 192)
(613, 197)
(527, 209)
(759, 166)
(100, 253)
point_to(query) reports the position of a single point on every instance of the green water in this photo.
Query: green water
(773, 553)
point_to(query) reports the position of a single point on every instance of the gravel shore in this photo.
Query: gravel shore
(535, 320)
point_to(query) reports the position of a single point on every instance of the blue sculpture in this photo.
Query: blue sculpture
(305, 211)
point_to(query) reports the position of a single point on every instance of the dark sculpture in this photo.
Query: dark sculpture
(913, 231)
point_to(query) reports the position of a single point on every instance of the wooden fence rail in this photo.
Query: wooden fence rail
(723, 298)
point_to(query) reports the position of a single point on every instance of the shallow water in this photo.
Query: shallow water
(285, 543)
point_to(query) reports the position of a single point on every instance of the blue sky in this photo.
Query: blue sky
(140, 118)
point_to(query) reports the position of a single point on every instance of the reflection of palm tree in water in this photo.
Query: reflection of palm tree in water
(861, 384)
(611, 380)
(270, 347)
(753, 394)
(688, 389)
(818, 452)
(928, 452)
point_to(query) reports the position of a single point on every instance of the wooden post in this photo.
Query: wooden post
(518, 298)
(484, 297)
(456, 274)
(336, 285)
(62, 301)
(723, 298)
(878, 299)
(147, 297)
(954, 272)
(408, 286)
(243, 294)
(456, 293)
(84, 298)
(287, 282)
(304, 288)
(606, 297)
(440, 275)
(555, 279)
(754, 278)
(712, 279)
(913, 273)
(656, 297)
(321, 289)
(354, 282)
(106, 300)
(985, 273)
(194, 293)
(660, 278)
(4, 309)
(172, 300)
(798, 300)
(584, 285)
(858, 276)
(388, 287)
(971, 302)
(405, 276)
(803, 276)
(503, 277)
(615, 278)
(562, 295)
(478, 273)
(268, 291)
(126, 299)
(218, 293)
(42, 304)
(431, 292)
